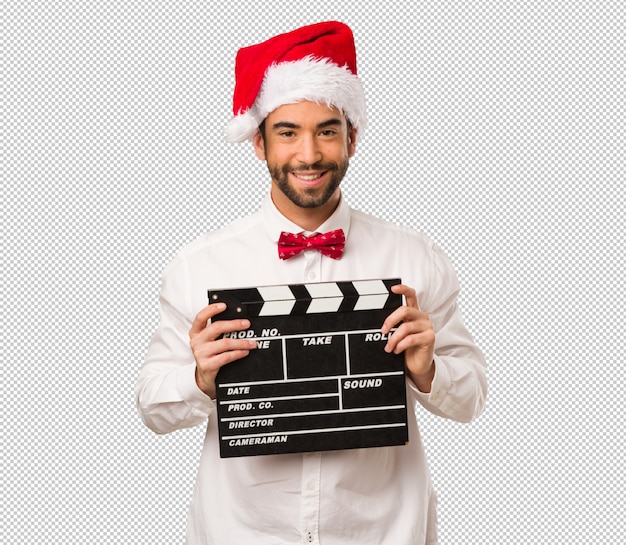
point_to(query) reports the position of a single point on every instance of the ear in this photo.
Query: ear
(259, 146)
(352, 136)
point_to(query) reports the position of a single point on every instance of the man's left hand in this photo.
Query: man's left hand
(415, 336)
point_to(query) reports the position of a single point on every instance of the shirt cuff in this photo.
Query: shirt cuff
(191, 393)
(439, 388)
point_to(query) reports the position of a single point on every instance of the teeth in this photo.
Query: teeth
(309, 178)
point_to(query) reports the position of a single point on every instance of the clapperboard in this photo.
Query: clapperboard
(319, 378)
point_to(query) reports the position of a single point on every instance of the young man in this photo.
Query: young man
(299, 100)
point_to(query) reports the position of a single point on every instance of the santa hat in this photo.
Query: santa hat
(315, 63)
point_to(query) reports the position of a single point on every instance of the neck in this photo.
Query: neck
(309, 219)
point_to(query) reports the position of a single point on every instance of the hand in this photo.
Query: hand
(210, 351)
(415, 336)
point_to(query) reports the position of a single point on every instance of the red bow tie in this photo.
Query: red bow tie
(330, 244)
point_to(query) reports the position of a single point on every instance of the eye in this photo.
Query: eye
(328, 132)
(287, 134)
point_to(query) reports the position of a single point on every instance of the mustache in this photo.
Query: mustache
(315, 166)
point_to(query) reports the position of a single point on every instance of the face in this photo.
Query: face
(307, 147)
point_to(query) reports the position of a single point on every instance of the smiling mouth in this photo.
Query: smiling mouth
(309, 177)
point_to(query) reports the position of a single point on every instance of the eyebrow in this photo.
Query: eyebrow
(288, 125)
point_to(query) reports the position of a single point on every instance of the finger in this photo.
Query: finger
(208, 366)
(211, 356)
(404, 329)
(218, 353)
(204, 316)
(402, 314)
(409, 295)
(411, 321)
(410, 335)
(221, 327)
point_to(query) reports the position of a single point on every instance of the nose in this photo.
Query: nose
(309, 152)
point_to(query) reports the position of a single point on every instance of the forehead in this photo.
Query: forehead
(304, 113)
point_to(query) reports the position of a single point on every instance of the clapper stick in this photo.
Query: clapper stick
(319, 378)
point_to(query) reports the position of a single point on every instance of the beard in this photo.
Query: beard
(309, 197)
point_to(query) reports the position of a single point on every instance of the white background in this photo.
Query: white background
(495, 127)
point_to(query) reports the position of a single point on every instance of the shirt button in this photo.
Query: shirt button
(312, 275)
(311, 485)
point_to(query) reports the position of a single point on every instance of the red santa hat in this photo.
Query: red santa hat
(315, 63)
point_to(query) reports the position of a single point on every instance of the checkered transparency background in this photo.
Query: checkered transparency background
(495, 127)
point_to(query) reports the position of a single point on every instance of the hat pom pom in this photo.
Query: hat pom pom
(241, 127)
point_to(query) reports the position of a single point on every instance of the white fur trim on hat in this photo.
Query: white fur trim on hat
(315, 80)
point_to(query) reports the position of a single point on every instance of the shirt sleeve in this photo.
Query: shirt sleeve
(166, 393)
(459, 388)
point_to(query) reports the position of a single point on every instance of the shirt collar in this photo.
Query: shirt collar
(275, 222)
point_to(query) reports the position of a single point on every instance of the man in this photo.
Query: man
(300, 101)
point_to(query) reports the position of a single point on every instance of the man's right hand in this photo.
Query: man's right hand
(212, 352)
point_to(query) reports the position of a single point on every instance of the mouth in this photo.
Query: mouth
(309, 177)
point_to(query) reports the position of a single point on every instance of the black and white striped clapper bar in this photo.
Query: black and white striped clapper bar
(319, 378)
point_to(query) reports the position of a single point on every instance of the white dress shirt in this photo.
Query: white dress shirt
(375, 496)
